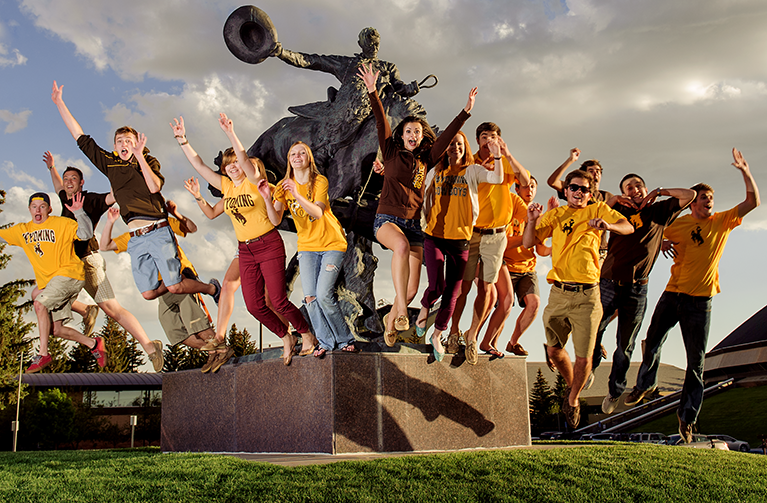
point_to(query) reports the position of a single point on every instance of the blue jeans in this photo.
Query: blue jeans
(694, 317)
(630, 301)
(319, 271)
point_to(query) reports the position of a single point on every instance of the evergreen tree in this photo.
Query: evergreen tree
(124, 353)
(240, 342)
(560, 385)
(182, 357)
(57, 348)
(50, 420)
(541, 403)
(13, 329)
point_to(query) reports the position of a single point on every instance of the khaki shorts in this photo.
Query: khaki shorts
(524, 283)
(576, 312)
(58, 295)
(487, 251)
(96, 282)
(181, 316)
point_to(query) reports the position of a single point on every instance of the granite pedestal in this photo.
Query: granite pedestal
(345, 403)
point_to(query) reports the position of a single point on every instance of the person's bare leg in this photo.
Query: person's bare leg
(80, 308)
(156, 293)
(485, 295)
(226, 302)
(187, 285)
(561, 360)
(59, 330)
(43, 325)
(394, 239)
(415, 259)
(125, 319)
(581, 371)
(526, 317)
(436, 341)
(505, 292)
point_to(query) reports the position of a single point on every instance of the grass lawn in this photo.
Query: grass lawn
(590, 474)
(738, 412)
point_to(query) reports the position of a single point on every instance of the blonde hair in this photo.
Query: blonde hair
(313, 171)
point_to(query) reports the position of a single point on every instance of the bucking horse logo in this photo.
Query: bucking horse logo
(38, 250)
(240, 218)
(696, 237)
(568, 227)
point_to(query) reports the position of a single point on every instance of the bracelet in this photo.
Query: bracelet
(497, 158)
(180, 136)
(186, 142)
(199, 199)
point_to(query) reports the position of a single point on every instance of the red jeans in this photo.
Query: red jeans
(262, 263)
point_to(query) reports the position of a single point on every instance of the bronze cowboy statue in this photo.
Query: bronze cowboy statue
(341, 130)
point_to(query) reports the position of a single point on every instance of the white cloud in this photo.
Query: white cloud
(21, 176)
(14, 58)
(16, 121)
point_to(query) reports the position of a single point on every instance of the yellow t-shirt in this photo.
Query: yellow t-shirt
(518, 259)
(49, 247)
(701, 244)
(246, 208)
(325, 234)
(121, 242)
(494, 201)
(575, 245)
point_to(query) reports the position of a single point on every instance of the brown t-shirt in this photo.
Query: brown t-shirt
(631, 258)
(94, 205)
(404, 175)
(128, 184)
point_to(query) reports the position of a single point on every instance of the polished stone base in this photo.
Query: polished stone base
(377, 401)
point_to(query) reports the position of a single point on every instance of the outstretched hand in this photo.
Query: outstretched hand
(599, 224)
(113, 214)
(193, 186)
(179, 131)
(264, 190)
(57, 94)
(368, 77)
(137, 148)
(740, 162)
(534, 211)
(472, 98)
(48, 159)
(575, 153)
(650, 198)
(552, 203)
(226, 123)
(495, 148)
(77, 202)
(667, 247)
(290, 186)
(378, 167)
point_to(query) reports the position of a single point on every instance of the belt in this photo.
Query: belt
(574, 287)
(642, 281)
(259, 238)
(485, 232)
(148, 228)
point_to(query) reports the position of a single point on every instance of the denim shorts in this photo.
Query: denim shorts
(154, 253)
(410, 227)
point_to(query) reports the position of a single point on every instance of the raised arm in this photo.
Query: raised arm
(752, 191)
(382, 125)
(193, 186)
(179, 132)
(555, 180)
(250, 169)
(622, 226)
(84, 224)
(57, 95)
(153, 182)
(105, 242)
(519, 171)
(187, 226)
(275, 215)
(685, 196)
(533, 213)
(58, 183)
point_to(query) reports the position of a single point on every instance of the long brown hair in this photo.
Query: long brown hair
(468, 157)
(313, 171)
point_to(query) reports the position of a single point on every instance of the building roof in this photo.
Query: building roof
(95, 380)
(751, 333)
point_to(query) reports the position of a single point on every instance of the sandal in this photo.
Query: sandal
(390, 336)
(287, 358)
(494, 353)
(320, 353)
(350, 348)
(306, 352)
(402, 323)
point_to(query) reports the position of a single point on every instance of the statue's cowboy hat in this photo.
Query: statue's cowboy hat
(249, 34)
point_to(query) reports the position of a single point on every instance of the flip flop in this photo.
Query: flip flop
(350, 348)
(320, 353)
(494, 353)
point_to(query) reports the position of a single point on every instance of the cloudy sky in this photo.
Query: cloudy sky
(664, 89)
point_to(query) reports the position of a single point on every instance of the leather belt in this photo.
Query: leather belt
(485, 232)
(642, 281)
(259, 238)
(574, 287)
(148, 228)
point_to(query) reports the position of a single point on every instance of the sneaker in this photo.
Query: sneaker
(39, 362)
(471, 353)
(572, 413)
(217, 294)
(208, 364)
(157, 358)
(452, 343)
(609, 404)
(516, 349)
(89, 320)
(222, 358)
(99, 352)
(212, 345)
(685, 430)
(589, 381)
(637, 395)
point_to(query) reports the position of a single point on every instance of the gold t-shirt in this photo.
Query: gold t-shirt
(245, 206)
(518, 259)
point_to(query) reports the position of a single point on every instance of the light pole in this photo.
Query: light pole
(15, 425)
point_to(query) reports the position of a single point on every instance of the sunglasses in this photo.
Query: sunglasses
(575, 187)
